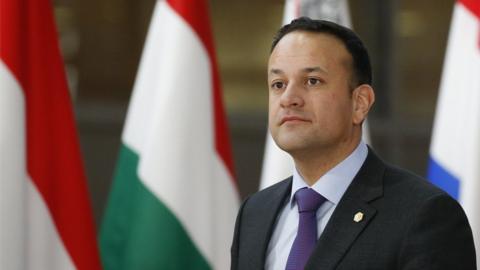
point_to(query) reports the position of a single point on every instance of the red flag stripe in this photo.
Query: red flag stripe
(196, 14)
(473, 6)
(12, 41)
(29, 48)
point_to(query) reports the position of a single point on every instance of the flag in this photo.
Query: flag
(173, 200)
(455, 146)
(45, 216)
(277, 164)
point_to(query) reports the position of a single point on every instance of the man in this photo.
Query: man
(343, 208)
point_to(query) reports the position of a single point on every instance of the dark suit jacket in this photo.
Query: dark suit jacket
(408, 224)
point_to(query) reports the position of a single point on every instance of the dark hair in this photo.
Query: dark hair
(362, 69)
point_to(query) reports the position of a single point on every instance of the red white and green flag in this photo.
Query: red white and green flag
(45, 216)
(173, 200)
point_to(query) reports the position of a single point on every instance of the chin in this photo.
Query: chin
(290, 145)
(292, 140)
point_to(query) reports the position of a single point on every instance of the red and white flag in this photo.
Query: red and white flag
(45, 216)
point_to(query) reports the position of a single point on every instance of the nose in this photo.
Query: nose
(292, 96)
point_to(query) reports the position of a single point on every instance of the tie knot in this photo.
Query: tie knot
(308, 200)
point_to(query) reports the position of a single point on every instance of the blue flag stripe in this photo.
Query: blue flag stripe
(440, 177)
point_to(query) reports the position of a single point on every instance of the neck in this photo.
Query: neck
(314, 164)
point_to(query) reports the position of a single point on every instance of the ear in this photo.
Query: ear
(363, 98)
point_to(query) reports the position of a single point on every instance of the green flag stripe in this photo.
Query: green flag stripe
(138, 230)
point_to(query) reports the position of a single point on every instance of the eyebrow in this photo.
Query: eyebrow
(305, 70)
(276, 71)
(314, 69)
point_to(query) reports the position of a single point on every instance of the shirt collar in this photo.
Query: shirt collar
(333, 184)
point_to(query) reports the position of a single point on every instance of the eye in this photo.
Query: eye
(313, 81)
(277, 85)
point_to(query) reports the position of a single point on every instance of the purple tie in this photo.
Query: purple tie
(308, 201)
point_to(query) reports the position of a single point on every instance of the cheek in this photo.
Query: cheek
(341, 102)
(273, 103)
(324, 104)
(332, 109)
(272, 111)
(270, 118)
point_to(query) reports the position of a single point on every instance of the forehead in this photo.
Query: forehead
(309, 48)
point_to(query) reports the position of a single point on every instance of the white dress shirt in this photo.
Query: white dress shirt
(332, 185)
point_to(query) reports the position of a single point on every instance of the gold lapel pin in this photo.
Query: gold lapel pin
(358, 217)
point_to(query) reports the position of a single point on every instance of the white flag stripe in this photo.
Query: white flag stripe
(45, 249)
(28, 236)
(142, 102)
(177, 131)
(12, 169)
(290, 11)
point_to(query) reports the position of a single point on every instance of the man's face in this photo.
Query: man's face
(310, 102)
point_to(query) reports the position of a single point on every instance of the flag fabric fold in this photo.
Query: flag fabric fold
(455, 146)
(45, 216)
(173, 200)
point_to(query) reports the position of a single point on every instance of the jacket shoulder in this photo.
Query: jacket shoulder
(409, 184)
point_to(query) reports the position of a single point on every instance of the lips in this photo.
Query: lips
(292, 118)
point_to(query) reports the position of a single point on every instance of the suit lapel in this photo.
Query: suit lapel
(342, 231)
(262, 228)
